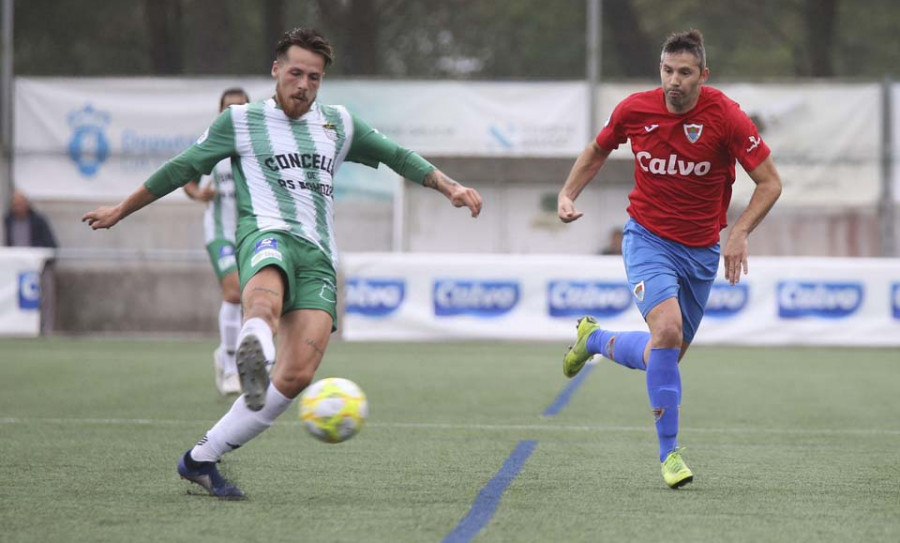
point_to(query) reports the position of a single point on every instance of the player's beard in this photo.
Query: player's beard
(678, 98)
(294, 105)
(675, 97)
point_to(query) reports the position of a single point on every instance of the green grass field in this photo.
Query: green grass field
(786, 445)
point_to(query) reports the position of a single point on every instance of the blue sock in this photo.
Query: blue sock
(625, 348)
(664, 389)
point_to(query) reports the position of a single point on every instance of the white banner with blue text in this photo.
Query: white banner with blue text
(20, 290)
(99, 138)
(783, 301)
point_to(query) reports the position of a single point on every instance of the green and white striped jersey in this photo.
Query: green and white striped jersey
(220, 217)
(284, 168)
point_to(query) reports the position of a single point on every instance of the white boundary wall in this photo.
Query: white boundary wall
(20, 290)
(784, 301)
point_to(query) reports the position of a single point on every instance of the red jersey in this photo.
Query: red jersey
(684, 163)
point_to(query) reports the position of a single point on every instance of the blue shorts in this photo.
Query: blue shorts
(659, 269)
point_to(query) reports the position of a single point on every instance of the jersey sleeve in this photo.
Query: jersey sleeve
(613, 132)
(198, 159)
(745, 144)
(371, 147)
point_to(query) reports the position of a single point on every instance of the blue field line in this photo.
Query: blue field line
(567, 392)
(489, 498)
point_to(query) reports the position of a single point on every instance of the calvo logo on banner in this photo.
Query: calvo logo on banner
(895, 300)
(475, 298)
(726, 300)
(374, 297)
(29, 291)
(597, 298)
(89, 146)
(830, 300)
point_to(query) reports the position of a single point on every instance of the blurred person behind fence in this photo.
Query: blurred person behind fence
(25, 227)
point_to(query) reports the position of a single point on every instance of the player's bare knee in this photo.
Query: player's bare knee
(231, 293)
(292, 383)
(231, 288)
(667, 336)
(232, 297)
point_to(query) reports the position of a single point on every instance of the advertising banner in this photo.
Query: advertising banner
(90, 138)
(20, 290)
(784, 301)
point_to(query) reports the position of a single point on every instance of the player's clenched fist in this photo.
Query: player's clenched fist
(468, 197)
(565, 207)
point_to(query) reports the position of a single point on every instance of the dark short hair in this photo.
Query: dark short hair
(306, 38)
(690, 41)
(229, 92)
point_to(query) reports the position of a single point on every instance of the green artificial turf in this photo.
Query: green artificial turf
(786, 445)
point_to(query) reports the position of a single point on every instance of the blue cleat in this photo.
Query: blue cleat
(207, 476)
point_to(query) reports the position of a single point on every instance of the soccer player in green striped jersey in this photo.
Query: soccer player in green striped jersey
(219, 226)
(284, 152)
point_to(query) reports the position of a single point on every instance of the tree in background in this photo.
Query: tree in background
(165, 31)
(524, 39)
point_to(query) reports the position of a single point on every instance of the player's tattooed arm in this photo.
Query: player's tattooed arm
(458, 195)
(439, 182)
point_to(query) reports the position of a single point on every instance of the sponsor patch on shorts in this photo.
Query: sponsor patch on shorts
(226, 257)
(227, 262)
(265, 248)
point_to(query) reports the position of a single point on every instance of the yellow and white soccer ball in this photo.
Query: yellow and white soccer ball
(333, 409)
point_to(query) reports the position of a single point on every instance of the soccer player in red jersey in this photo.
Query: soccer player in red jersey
(686, 138)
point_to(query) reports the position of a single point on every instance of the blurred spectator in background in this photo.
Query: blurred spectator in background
(25, 227)
(614, 244)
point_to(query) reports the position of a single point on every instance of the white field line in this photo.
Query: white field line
(549, 427)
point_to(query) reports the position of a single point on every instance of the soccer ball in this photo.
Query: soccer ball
(333, 409)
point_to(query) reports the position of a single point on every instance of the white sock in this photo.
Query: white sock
(229, 327)
(262, 331)
(239, 426)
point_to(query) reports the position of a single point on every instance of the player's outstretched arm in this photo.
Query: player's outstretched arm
(458, 195)
(371, 148)
(767, 191)
(108, 216)
(585, 168)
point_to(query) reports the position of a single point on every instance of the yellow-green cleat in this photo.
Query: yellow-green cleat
(578, 355)
(675, 472)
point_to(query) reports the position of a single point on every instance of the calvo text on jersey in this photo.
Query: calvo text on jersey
(672, 165)
(306, 161)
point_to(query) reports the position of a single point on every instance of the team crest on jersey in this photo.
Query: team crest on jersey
(638, 291)
(328, 291)
(330, 131)
(693, 131)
